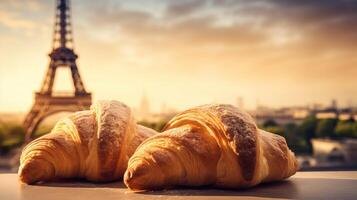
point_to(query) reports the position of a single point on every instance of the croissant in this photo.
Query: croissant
(210, 145)
(94, 144)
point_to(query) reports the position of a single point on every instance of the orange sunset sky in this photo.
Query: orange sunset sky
(185, 53)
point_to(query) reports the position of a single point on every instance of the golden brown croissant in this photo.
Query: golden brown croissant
(94, 144)
(213, 145)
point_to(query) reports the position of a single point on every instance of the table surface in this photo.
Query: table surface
(303, 185)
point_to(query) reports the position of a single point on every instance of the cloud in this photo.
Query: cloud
(300, 50)
(29, 5)
(258, 41)
(11, 21)
(312, 21)
(325, 23)
(23, 15)
(184, 8)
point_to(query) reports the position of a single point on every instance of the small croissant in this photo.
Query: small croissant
(210, 145)
(94, 144)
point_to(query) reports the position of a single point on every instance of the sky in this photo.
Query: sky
(186, 53)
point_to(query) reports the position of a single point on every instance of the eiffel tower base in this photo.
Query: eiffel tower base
(46, 105)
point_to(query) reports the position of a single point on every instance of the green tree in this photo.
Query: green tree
(308, 127)
(277, 130)
(1, 134)
(290, 129)
(350, 119)
(270, 122)
(326, 128)
(160, 125)
(295, 139)
(306, 131)
(12, 136)
(16, 135)
(345, 129)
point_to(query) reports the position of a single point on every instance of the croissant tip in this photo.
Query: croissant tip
(135, 178)
(129, 175)
(26, 175)
(34, 170)
(129, 178)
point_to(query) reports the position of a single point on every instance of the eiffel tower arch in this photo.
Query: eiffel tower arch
(48, 102)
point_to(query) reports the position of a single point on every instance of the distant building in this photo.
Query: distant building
(329, 152)
(296, 114)
(144, 113)
(326, 115)
(144, 108)
(332, 111)
(283, 115)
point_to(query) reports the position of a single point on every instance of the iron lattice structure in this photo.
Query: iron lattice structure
(48, 102)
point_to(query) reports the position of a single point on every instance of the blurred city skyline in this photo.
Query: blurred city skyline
(185, 53)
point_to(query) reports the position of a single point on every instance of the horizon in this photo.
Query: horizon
(164, 107)
(187, 53)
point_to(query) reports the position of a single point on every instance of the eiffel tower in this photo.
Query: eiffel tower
(48, 102)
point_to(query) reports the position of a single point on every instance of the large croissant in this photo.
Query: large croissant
(213, 145)
(94, 144)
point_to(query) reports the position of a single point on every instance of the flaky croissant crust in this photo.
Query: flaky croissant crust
(216, 145)
(94, 144)
(230, 127)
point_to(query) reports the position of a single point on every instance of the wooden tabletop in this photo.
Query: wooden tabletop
(303, 185)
